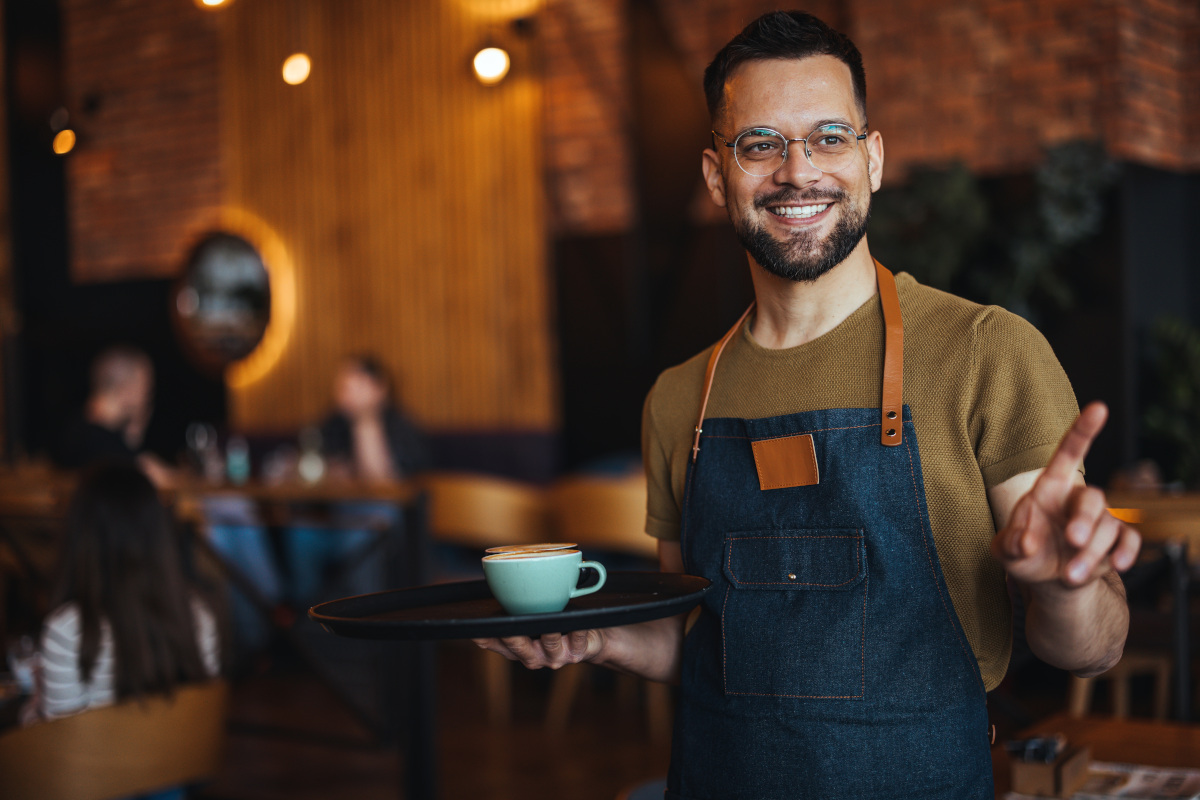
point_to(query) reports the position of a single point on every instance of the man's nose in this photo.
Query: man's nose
(796, 170)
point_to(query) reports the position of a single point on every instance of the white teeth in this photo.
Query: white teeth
(799, 212)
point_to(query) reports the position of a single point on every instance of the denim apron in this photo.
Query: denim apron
(827, 660)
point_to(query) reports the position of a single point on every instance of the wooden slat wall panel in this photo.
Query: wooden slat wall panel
(436, 265)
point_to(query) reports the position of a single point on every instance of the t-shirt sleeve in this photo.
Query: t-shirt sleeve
(662, 509)
(207, 638)
(1023, 402)
(61, 690)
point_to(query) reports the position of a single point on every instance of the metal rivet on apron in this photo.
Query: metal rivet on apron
(891, 431)
(791, 576)
(891, 415)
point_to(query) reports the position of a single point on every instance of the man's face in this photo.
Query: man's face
(772, 214)
(137, 395)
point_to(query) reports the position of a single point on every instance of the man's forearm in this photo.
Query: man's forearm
(651, 650)
(1078, 629)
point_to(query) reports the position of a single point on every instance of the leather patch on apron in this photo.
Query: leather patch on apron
(786, 462)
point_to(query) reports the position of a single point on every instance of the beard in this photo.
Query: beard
(802, 257)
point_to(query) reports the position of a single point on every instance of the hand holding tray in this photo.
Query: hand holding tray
(467, 610)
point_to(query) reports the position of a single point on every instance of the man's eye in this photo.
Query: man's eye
(831, 140)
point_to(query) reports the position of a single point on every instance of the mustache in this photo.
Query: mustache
(787, 196)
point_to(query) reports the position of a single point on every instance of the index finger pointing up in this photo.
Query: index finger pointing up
(1075, 444)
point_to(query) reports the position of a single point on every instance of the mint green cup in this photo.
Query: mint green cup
(538, 583)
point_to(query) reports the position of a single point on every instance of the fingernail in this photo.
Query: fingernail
(1078, 571)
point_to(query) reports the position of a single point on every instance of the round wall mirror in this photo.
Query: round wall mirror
(222, 303)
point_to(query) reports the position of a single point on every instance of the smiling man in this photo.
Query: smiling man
(856, 466)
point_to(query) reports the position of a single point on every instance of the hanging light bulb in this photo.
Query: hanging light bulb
(64, 141)
(491, 65)
(208, 5)
(296, 68)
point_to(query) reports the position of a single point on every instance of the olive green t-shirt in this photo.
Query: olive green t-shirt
(989, 400)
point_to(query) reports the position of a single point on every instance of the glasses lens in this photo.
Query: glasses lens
(832, 147)
(759, 151)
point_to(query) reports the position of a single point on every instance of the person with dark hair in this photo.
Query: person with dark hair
(367, 436)
(125, 623)
(112, 425)
(858, 467)
(368, 439)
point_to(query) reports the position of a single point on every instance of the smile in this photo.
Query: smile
(798, 212)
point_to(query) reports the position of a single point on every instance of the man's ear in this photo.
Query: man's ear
(875, 159)
(710, 165)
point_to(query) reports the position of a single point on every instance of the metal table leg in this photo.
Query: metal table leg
(366, 717)
(416, 698)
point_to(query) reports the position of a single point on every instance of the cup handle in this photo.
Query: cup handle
(596, 565)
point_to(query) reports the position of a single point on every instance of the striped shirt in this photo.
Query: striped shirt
(62, 690)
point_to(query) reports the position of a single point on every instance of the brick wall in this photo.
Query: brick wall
(990, 83)
(144, 182)
(1157, 80)
(587, 114)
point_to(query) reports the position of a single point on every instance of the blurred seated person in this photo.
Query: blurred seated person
(125, 623)
(113, 423)
(1141, 476)
(366, 439)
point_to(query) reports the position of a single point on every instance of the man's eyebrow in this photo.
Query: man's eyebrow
(819, 124)
(837, 121)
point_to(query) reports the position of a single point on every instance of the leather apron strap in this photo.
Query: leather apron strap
(892, 423)
(892, 405)
(711, 370)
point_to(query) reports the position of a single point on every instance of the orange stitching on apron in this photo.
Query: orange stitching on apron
(786, 435)
(863, 650)
(929, 558)
(724, 646)
(729, 561)
(803, 696)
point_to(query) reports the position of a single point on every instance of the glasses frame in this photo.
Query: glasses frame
(858, 137)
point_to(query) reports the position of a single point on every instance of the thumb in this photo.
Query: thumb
(1017, 544)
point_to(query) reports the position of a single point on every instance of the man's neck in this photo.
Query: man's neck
(791, 313)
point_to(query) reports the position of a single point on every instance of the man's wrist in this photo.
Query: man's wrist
(1055, 593)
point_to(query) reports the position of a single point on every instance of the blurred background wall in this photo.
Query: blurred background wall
(527, 256)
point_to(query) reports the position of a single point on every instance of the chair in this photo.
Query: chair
(481, 511)
(609, 515)
(1132, 664)
(118, 751)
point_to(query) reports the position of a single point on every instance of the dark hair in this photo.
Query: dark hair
(783, 35)
(120, 564)
(114, 366)
(373, 368)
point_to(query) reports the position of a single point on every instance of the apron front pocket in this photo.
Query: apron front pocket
(793, 619)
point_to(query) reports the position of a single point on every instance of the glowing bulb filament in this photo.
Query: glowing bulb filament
(296, 68)
(491, 65)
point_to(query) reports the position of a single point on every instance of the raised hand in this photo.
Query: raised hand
(1060, 529)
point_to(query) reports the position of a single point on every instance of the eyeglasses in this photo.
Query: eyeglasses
(762, 151)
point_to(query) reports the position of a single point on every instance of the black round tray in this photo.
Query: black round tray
(467, 610)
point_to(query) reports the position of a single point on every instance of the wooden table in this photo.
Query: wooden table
(1170, 522)
(1156, 744)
